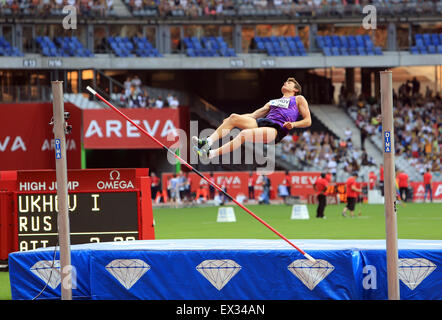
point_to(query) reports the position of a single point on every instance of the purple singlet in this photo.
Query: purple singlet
(283, 114)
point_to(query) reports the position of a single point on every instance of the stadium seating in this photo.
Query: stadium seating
(207, 47)
(73, 47)
(427, 43)
(48, 47)
(280, 46)
(67, 47)
(335, 45)
(7, 50)
(124, 47)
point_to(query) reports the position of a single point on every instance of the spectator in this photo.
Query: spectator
(332, 165)
(127, 86)
(265, 195)
(348, 133)
(174, 103)
(427, 183)
(142, 99)
(402, 178)
(320, 186)
(352, 195)
(282, 191)
(110, 5)
(172, 186)
(211, 187)
(251, 186)
(159, 103)
(155, 185)
(136, 83)
(381, 179)
(372, 179)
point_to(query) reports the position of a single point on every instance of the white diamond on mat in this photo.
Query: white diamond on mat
(48, 271)
(413, 271)
(127, 271)
(311, 273)
(218, 272)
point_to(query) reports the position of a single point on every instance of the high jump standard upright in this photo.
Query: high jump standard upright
(389, 184)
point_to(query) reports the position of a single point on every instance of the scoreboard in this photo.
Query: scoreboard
(93, 217)
(104, 205)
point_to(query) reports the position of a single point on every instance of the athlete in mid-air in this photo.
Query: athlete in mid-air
(268, 124)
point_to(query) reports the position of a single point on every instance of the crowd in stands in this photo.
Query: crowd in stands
(195, 8)
(134, 95)
(417, 119)
(86, 8)
(321, 151)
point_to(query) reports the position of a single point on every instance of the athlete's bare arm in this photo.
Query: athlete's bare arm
(260, 113)
(306, 121)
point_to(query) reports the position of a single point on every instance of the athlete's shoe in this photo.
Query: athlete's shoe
(202, 153)
(201, 143)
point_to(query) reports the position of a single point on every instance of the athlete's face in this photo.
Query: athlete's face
(288, 86)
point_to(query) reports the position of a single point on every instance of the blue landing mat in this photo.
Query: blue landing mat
(231, 269)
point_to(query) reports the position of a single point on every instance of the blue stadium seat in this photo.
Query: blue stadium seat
(439, 49)
(190, 52)
(344, 51)
(320, 42)
(352, 51)
(336, 41)
(344, 41)
(360, 40)
(414, 50)
(361, 51)
(351, 41)
(327, 41)
(427, 39)
(378, 51)
(435, 39)
(302, 51)
(431, 49)
(326, 51)
(335, 51)
(420, 43)
(259, 43)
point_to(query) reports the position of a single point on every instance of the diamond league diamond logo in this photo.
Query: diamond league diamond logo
(218, 272)
(413, 271)
(48, 271)
(127, 271)
(310, 273)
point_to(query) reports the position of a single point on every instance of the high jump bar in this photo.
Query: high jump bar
(305, 254)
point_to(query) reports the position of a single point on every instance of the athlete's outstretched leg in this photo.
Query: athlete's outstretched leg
(256, 135)
(233, 121)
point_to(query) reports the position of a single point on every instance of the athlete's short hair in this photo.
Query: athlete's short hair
(297, 85)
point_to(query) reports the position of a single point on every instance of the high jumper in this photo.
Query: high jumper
(270, 123)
